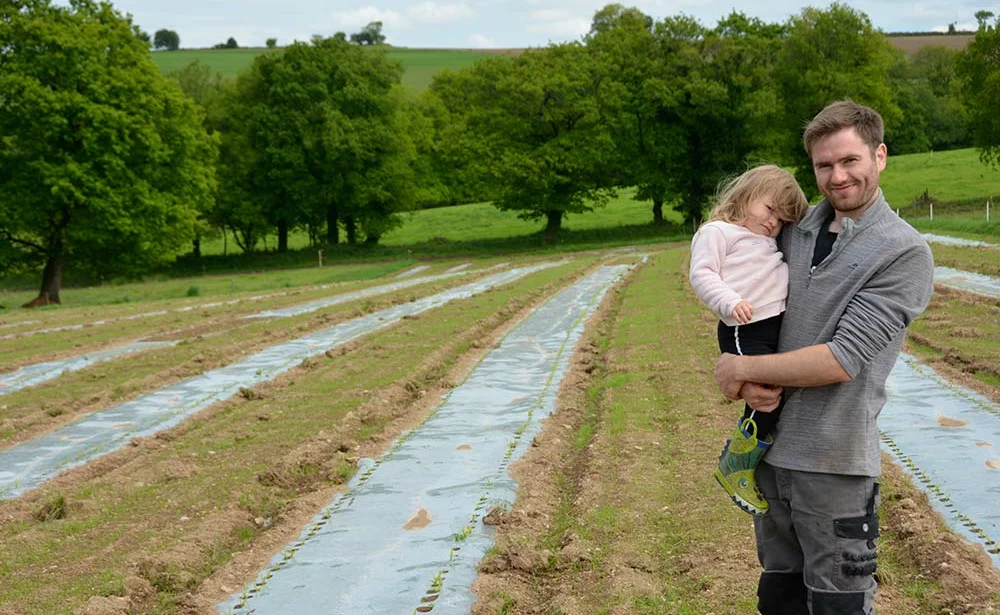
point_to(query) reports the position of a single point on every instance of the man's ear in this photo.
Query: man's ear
(881, 152)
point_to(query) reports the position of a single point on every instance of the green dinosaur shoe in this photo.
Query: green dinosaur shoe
(737, 465)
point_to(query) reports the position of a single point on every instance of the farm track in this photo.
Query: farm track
(593, 528)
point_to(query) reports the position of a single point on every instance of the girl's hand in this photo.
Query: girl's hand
(742, 312)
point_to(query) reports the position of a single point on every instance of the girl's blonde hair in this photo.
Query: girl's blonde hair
(766, 181)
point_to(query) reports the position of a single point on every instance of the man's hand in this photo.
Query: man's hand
(743, 312)
(727, 376)
(761, 397)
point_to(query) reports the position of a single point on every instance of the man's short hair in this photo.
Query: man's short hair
(845, 114)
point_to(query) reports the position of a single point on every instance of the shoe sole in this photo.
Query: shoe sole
(743, 505)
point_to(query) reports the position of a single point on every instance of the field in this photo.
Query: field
(419, 65)
(287, 389)
(616, 510)
(910, 44)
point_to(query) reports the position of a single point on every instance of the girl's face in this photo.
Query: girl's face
(762, 217)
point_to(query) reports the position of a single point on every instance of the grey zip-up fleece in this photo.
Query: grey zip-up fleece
(878, 277)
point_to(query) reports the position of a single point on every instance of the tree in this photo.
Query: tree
(831, 55)
(231, 43)
(983, 18)
(717, 94)
(144, 36)
(271, 43)
(533, 132)
(369, 35)
(979, 68)
(104, 163)
(166, 39)
(317, 139)
(928, 93)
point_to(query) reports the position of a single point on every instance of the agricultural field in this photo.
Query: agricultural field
(615, 508)
(419, 65)
(912, 43)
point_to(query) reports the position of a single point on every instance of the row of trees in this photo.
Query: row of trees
(113, 168)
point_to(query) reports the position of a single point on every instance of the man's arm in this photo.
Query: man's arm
(811, 366)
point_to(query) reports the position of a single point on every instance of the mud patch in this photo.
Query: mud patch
(419, 521)
(947, 421)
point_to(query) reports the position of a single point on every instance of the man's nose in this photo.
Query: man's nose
(838, 174)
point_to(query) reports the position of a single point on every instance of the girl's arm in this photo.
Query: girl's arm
(708, 252)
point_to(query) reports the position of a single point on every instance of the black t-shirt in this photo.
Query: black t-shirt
(824, 242)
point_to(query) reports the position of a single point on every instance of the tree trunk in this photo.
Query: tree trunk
(351, 229)
(51, 283)
(658, 212)
(553, 222)
(282, 236)
(196, 246)
(332, 231)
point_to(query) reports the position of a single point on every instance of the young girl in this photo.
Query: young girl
(737, 270)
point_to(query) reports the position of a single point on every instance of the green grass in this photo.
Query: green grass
(228, 62)
(955, 175)
(481, 227)
(419, 65)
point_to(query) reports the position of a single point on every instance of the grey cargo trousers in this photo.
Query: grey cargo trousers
(816, 543)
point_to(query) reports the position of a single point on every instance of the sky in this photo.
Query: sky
(487, 23)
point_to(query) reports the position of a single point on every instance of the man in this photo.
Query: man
(858, 275)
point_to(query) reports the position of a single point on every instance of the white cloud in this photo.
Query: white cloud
(362, 16)
(550, 15)
(434, 13)
(969, 26)
(478, 40)
(558, 24)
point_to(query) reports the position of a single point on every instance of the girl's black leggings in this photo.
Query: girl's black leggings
(759, 337)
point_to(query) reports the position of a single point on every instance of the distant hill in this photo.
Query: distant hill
(422, 64)
(910, 43)
(419, 65)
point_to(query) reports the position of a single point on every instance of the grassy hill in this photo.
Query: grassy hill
(420, 65)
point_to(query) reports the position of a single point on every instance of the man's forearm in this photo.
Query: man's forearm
(811, 366)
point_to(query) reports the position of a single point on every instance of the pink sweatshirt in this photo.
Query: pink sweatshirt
(730, 263)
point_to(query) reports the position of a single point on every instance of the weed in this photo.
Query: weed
(54, 412)
(193, 291)
(53, 508)
(507, 606)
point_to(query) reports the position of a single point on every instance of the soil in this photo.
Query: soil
(537, 574)
(525, 575)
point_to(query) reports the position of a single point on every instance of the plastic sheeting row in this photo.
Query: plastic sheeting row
(28, 464)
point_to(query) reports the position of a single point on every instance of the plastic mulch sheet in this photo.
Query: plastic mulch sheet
(967, 281)
(407, 534)
(957, 241)
(30, 375)
(312, 306)
(948, 439)
(28, 464)
(413, 271)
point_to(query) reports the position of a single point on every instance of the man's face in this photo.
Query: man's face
(847, 171)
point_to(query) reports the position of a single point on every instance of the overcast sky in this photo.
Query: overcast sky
(485, 23)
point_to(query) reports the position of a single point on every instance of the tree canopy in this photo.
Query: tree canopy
(371, 34)
(315, 134)
(104, 163)
(979, 68)
(166, 39)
